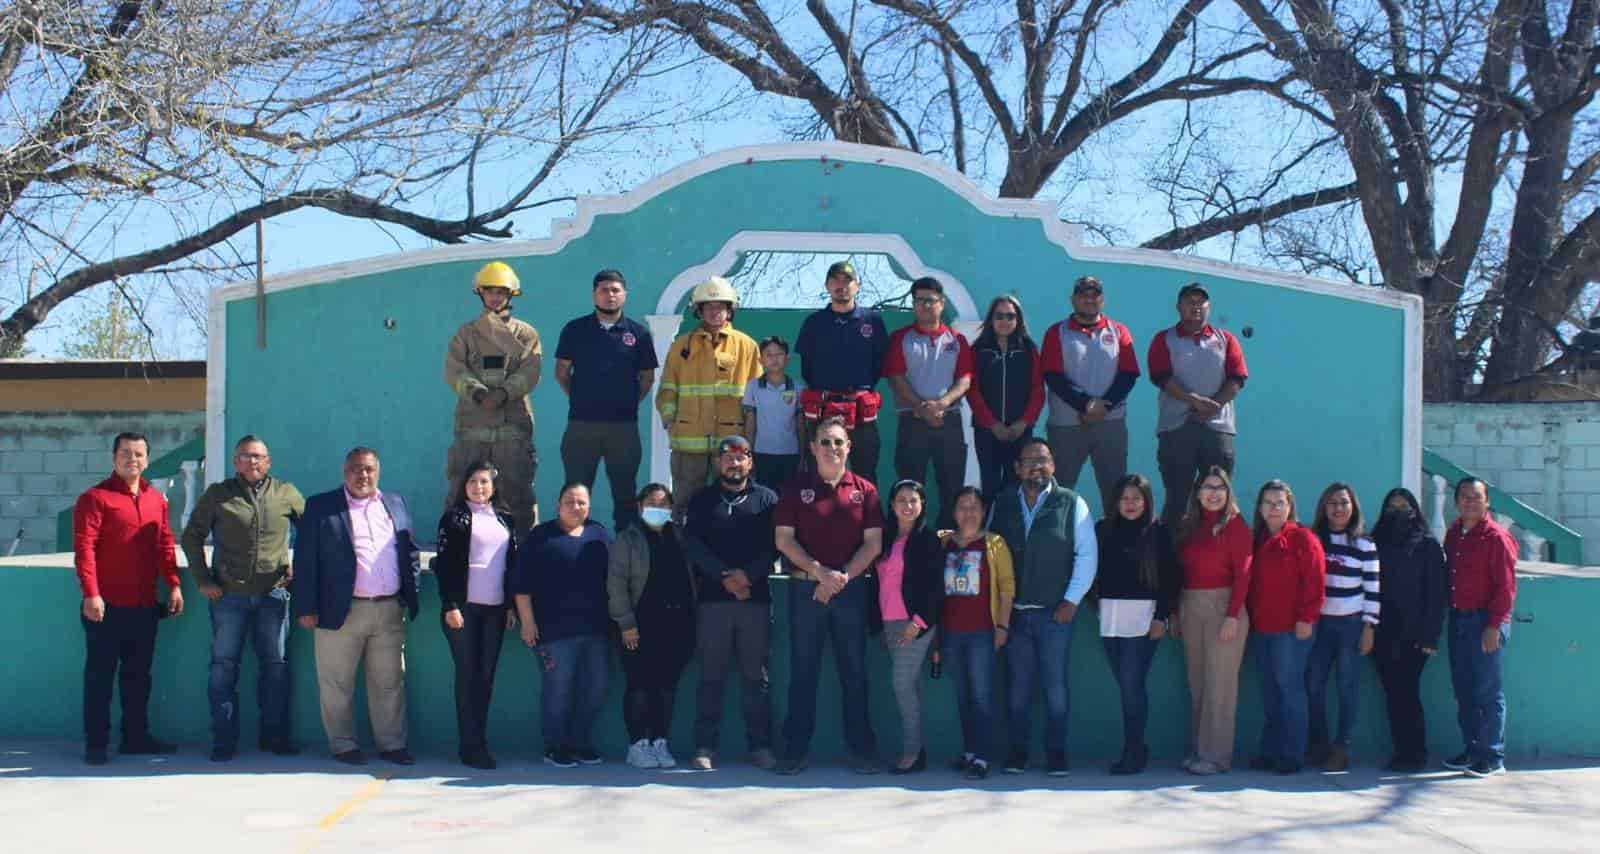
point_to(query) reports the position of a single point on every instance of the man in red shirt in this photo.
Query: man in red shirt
(121, 540)
(1482, 557)
(829, 528)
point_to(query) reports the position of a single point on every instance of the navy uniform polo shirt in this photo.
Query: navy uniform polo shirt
(606, 362)
(842, 352)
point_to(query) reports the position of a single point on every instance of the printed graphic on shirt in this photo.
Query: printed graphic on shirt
(628, 339)
(807, 496)
(961, 573)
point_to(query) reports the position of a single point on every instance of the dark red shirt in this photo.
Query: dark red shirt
(1483, 569)
(1288, 578)
(829, 521)
(966, 605)
(1212, 561)
(122, 542)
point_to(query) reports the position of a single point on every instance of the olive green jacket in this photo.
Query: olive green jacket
(249, 531)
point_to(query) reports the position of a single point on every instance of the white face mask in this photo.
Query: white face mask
(656, 517)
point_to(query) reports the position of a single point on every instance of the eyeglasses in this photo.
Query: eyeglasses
(928, 300)
(833, 443)
(1005, 315)
(1213, 487)
(252, 458)
(1087, 291)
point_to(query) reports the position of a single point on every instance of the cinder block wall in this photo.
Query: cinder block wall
(48, 458)
(1545, 454)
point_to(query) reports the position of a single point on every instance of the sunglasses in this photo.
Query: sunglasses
(1005, 315)
(833, 443)
(1090, 291)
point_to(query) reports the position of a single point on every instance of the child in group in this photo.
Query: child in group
(772, 416)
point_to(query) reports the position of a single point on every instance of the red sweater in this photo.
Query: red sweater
(1211, 561)
(120, 543)
(1287, 580)
(1483, 569)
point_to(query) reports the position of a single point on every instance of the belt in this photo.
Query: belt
(383, 598)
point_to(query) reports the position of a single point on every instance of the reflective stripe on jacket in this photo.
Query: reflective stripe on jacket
(702, 387)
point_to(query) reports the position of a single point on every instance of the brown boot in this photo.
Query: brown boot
(1338, 759)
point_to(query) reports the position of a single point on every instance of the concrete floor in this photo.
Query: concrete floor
(50, 801)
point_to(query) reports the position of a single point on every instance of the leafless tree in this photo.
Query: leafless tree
(1483, 108)
(195, 119)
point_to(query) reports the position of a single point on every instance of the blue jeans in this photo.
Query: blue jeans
(1480, 700)
(844, 621)
(1281, 659)
(971, 656)
(1336, 647)
(1130, 662)
(265, 619)
(1039, 647)
(576, 671)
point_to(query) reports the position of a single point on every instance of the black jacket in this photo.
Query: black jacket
(1121, 547)
(1004, 378)
(455, 547)
(1415, 591)
(922, 586)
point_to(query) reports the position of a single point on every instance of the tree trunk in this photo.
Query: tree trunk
(1441, 370)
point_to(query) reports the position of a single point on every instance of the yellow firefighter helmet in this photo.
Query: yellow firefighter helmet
(497, 274)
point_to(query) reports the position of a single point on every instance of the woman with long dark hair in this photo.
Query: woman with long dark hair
(911, 601)
(1416, 590)
(650, 595)
(1350, 611)
(477, 543)
(1007, 390)
(1286, 590)
(1214, 549)
(1137, 587)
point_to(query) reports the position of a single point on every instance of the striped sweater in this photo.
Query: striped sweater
(1352, 578)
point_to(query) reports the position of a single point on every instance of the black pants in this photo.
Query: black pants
(865, 446)
(1400, 670)
(475, 648)
(919, 445)
(734, 632)
(666, 643)
(996, 459)
(1182, 454)
(122, 646)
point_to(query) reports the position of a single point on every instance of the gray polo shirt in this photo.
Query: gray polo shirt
(775, 407)
(1201, 363)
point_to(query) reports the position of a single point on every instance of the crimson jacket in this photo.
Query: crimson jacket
(121, 542)
(1287, 579)
(1483, 569)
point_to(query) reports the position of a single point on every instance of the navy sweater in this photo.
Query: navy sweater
(566, 576)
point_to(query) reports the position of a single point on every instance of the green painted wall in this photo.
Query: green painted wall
(360, 360)
(1550, 684)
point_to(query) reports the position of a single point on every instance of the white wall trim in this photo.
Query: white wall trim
(836, 156)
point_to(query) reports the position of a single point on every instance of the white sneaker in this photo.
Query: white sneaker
(642, 755)
(663, 756)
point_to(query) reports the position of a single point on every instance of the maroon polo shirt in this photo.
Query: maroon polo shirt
(829, 521)
(1483, 569)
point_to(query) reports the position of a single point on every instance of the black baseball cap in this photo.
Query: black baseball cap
(1088, 283)
(1193, 288)
(842, 268)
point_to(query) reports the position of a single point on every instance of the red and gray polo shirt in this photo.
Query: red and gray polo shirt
(829, 521)
(930, 361)
(1202, 363)
(1090, 357)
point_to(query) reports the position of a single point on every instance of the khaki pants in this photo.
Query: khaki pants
(374, 632)
(1213, 672)
(518, 464)
(690, 471)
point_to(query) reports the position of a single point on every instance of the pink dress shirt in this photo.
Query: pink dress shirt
(486, 557)
(372, 535)
(891, 571)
